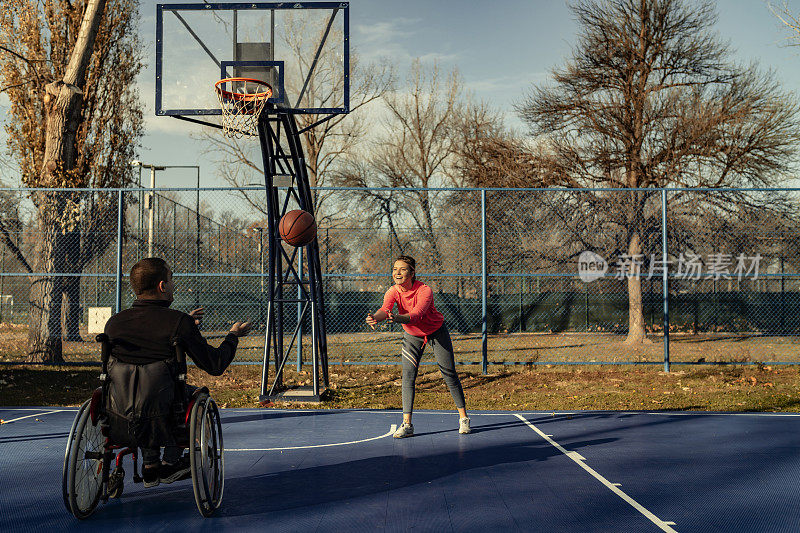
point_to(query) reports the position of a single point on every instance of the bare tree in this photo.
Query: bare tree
(434, 135)
(789, 19)
(414, 152)
(651, 98)
(487, 154)
(70, 67)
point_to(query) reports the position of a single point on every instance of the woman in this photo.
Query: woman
(423, 324)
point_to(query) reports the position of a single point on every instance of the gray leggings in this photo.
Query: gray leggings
(411, 354)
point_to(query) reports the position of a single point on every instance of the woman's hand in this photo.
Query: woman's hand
(374, 318)
(397, 318)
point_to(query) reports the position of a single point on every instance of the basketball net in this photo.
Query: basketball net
(242, 106)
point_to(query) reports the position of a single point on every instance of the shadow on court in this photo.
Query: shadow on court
(25, 438)
(313, 486)
(351, 479)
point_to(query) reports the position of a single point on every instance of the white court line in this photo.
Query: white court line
(723, 414)
(579, 460)
(507, 413)
(28, 416)
(34, 409)
(389, 412)
(475, 413)
(391, 430)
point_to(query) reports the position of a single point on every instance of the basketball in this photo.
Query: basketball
(298, 227)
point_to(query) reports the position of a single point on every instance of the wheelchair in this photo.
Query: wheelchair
(88, 475)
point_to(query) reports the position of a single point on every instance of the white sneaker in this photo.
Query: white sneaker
(405, 430)
(463, 425)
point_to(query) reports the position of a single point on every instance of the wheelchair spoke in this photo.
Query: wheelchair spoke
(68, 457)
(204, 450)
(86, 467)
(89, 470)
(207, 466)
(215, 453)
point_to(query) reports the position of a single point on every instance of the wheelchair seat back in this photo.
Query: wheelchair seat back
(144, 405)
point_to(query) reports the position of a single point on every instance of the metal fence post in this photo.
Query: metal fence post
(484, 317)
(300, 310)
(2, 270)
(174, 227)
(586, 305)
(783, 298)
(665, 278)
(151, 214)
(120, 223)
(521, 279)
(261, 288)
(197, 240)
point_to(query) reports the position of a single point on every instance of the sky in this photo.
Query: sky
(501, 48)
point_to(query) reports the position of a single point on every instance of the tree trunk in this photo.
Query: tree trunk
(44, 325)
(62, 105)
(636, 332)
(44, 321)
(72, 284)
(63, 101)
(393, 231)
(72, 292)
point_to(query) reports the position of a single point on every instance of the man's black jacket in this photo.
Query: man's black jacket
(143, 334)
(141, 400)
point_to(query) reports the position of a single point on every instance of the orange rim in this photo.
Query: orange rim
(264, 95)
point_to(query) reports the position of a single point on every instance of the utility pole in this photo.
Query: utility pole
(151, 212)
(150, 201)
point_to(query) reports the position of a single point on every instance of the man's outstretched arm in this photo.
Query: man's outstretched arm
(206, 357)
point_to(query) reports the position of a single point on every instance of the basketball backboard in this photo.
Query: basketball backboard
(300, 48)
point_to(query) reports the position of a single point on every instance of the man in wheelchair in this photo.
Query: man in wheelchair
(143, 386)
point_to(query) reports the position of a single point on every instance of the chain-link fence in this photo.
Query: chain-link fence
(532, 276)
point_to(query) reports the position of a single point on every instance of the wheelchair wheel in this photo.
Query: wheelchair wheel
(70, 440)
(206, 455)
(84, 466)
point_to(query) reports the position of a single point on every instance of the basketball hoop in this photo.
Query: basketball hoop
(242, 106)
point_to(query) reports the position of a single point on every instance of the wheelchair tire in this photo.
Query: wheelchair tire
(70, 439)
(206, 455)
(85, 474)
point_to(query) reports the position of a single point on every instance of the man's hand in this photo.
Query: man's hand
(371, 321)
(240, 329)
(197, 315)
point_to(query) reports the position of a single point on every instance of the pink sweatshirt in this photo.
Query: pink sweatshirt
(417, 302)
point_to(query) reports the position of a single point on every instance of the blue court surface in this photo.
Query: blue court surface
(327, 470)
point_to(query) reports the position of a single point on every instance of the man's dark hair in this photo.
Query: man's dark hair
(148, 273)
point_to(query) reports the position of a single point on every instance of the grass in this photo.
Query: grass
(758, 387)
(703, 388)
(524, 347)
